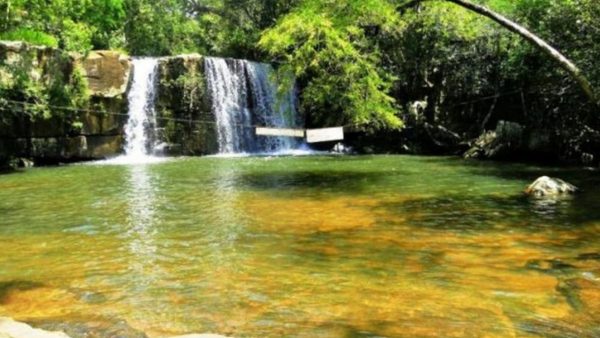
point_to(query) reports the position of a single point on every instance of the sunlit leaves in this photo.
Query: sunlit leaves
(326, 42)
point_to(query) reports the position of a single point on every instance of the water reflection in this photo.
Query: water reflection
(550, 206)
(225, 196)
(141, 223)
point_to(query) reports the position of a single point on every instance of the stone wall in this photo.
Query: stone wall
(75, 136)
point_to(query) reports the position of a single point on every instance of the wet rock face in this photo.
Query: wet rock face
(185, 123)
(549, 186)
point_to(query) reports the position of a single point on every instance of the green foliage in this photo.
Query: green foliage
(75, 25)
(29, 35)
(160, 28)
(26, 89)
(345, 83)
(76, 36)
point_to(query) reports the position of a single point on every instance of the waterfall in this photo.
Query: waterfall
(140, 126)
(243, 94)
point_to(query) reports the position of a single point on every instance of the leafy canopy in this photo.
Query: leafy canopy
(327, 42)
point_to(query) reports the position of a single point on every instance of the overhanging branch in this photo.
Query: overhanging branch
(552, 52)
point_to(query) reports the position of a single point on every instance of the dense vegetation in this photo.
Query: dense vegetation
(363, 62)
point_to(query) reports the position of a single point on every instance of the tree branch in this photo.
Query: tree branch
(553, 53)
(196, 7)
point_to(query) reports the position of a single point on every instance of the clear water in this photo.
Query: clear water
(382, 246)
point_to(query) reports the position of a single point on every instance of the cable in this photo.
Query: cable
(162, 118)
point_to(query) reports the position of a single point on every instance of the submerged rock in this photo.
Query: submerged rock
(13, 329)
(549, 186)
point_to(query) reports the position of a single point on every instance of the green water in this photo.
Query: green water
(390, 246)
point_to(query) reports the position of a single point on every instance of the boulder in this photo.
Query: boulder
(13, 329)
(549, 186)
(107, 73)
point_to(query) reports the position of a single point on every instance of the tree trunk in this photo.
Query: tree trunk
(565, 63)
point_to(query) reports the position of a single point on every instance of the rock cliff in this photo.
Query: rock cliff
(59, 107)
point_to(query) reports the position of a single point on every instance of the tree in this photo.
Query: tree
(326, 43)
(70, 24)
(563, 61)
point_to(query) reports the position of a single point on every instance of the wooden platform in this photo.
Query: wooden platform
(310, 135)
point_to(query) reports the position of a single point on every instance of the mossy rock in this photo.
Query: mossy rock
(107, 72)
(184, 121)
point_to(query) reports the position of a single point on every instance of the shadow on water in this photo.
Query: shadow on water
(555, 329)
(343, 181)
(460, 212)
(16, 285)
(5, 172)
(526, 172)
(7, 210)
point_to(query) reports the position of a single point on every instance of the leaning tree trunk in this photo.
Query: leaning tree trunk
(565, 63)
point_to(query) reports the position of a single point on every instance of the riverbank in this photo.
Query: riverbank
(184, 109)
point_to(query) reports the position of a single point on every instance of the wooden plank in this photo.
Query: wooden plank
(264, 131)
(324, 134)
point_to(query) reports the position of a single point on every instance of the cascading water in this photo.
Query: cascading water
(243, 95)
(141, 123)
(269, 109)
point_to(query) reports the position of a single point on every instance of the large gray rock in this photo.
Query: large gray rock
(13, 329)
(549, 186)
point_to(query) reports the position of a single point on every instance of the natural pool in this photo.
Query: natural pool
(392, 246)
